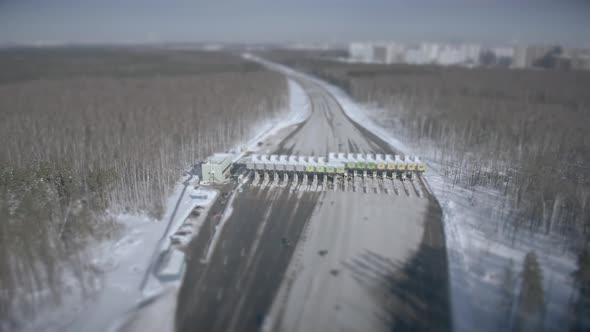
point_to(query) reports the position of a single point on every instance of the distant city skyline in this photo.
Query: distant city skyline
(499, 22)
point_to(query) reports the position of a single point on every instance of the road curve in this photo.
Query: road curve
(371, 259)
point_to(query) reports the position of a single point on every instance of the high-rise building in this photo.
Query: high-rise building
(395, 53)
(503, 52)
(361, 52)
(519, 59)
(430, 52)
(472, 53)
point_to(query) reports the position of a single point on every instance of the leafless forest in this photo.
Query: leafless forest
(87, 130)
(524, 132)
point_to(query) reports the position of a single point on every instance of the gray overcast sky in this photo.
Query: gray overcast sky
(486, 21)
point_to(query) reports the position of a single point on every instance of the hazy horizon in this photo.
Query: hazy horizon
(303, 21)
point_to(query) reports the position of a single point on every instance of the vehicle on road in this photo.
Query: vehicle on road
(285, 242)
(186, 227)
(183, 232)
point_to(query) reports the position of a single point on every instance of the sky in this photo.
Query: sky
(565, 22)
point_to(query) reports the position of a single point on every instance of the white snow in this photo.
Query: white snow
(122, 264)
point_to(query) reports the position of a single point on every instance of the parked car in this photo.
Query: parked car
(187, 227)
(175, 239)
(179, 240)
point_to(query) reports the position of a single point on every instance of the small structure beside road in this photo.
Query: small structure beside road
(217, 167)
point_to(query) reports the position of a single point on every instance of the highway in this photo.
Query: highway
(327, 130)
(369, 259)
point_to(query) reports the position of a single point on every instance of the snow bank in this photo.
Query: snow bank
(122, 264)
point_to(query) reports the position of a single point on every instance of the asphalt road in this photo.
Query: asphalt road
(234, 290)
(327, 130)
(382, 263)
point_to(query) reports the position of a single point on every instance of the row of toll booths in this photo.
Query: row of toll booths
(335, 163)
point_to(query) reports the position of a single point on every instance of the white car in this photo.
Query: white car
(199, 194)
(179, 240)
(184, 232)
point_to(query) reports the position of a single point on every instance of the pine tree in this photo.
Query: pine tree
(507, 290)
(581, 307)
(531, 300)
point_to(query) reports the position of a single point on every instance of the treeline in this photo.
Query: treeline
(25, 64)
(74, 146)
